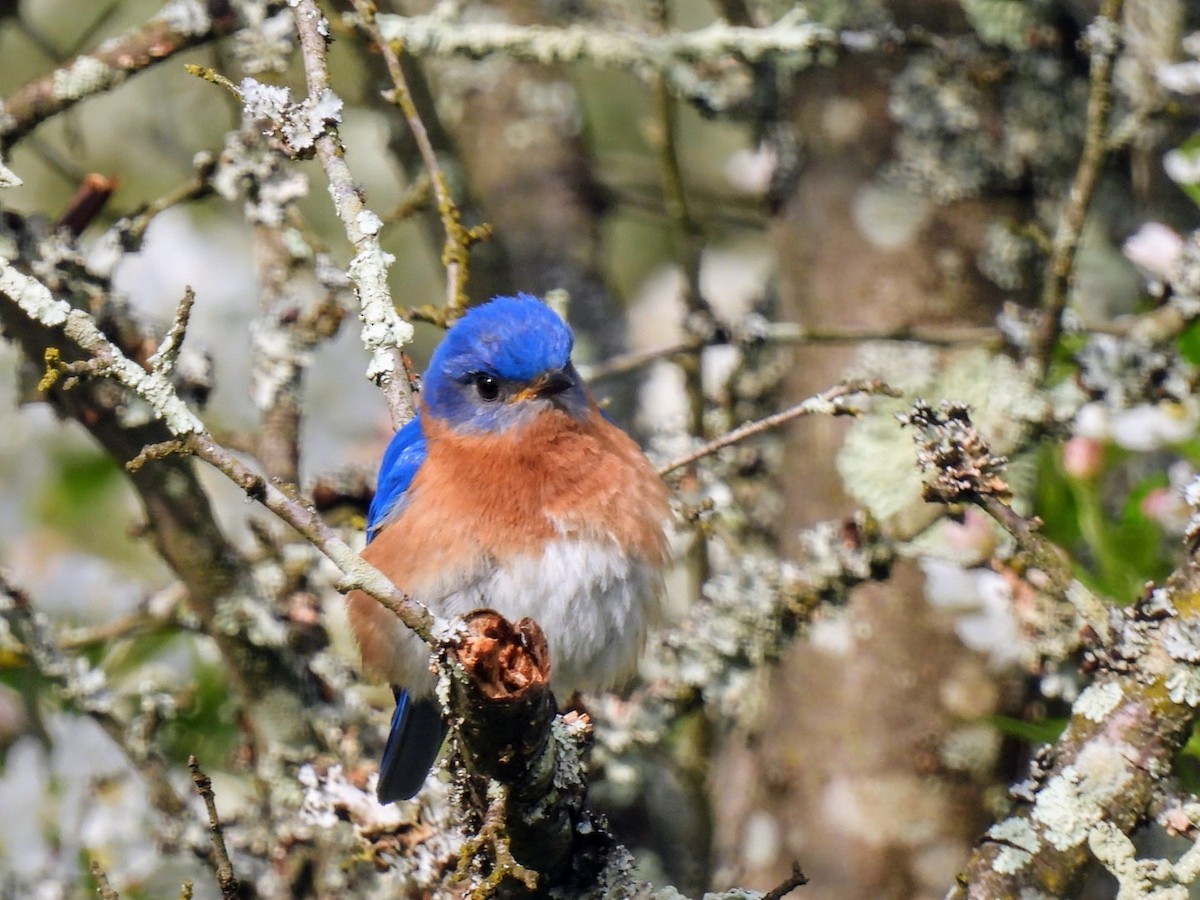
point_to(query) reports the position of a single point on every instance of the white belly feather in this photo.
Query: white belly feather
(592, 600)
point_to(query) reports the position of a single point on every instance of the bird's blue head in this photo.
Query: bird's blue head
(501, 364)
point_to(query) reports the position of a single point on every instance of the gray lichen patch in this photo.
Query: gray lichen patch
(1098, 700)
(82, 78)
(187, 16)
(1181, 639)
(1018, 840)
(1074, 800)
(1183, 685)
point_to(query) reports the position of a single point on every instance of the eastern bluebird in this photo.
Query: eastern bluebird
(509, 490)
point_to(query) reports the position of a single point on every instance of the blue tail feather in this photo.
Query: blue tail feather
(412, 746)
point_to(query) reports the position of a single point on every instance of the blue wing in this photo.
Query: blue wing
(417, 728)
(401, 461)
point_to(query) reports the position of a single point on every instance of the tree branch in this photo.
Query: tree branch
(827, 403)
(1125, 728)
(672, 55)
(459, 239)
(384, 332)
(227, 880)
(1104, 40)
(36, 304)
(1124, 732)
(84, 687)
(787, 333)
(179, 25)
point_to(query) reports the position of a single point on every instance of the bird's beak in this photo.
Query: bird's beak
(548, 384)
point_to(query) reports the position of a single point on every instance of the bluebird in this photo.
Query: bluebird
(510, 490)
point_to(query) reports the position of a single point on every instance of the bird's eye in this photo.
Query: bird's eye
(487, 386)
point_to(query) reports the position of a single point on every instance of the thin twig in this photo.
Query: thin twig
(384, 332)
(960, 468)
(108, 633)
(791, 333)
(827, 402)
(35, 300)
(167, 354)
(637, 359)
(1103, 35)
(415, 199)
(1051, 561)
(793, 881)
(132, 228)
(103, 888)
(459, 239)
(89, 199)
(106, 67)
(226, 879)
(75, 679)
(94, 27)
(151, 452)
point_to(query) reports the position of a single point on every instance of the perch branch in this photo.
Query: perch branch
(510, 742)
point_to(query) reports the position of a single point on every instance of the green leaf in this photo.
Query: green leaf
(1190, 149)
(1042, 731)
(1189, 343)
(1116, 549)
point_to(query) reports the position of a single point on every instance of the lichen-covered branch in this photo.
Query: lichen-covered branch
(179, 25)
(383, 332)
(792, 39)
(1124, 732)
(187, 432)
(177, 507)
(1125, 728)
(38, 304)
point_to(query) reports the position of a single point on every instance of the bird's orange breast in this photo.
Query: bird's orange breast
(481, 499)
